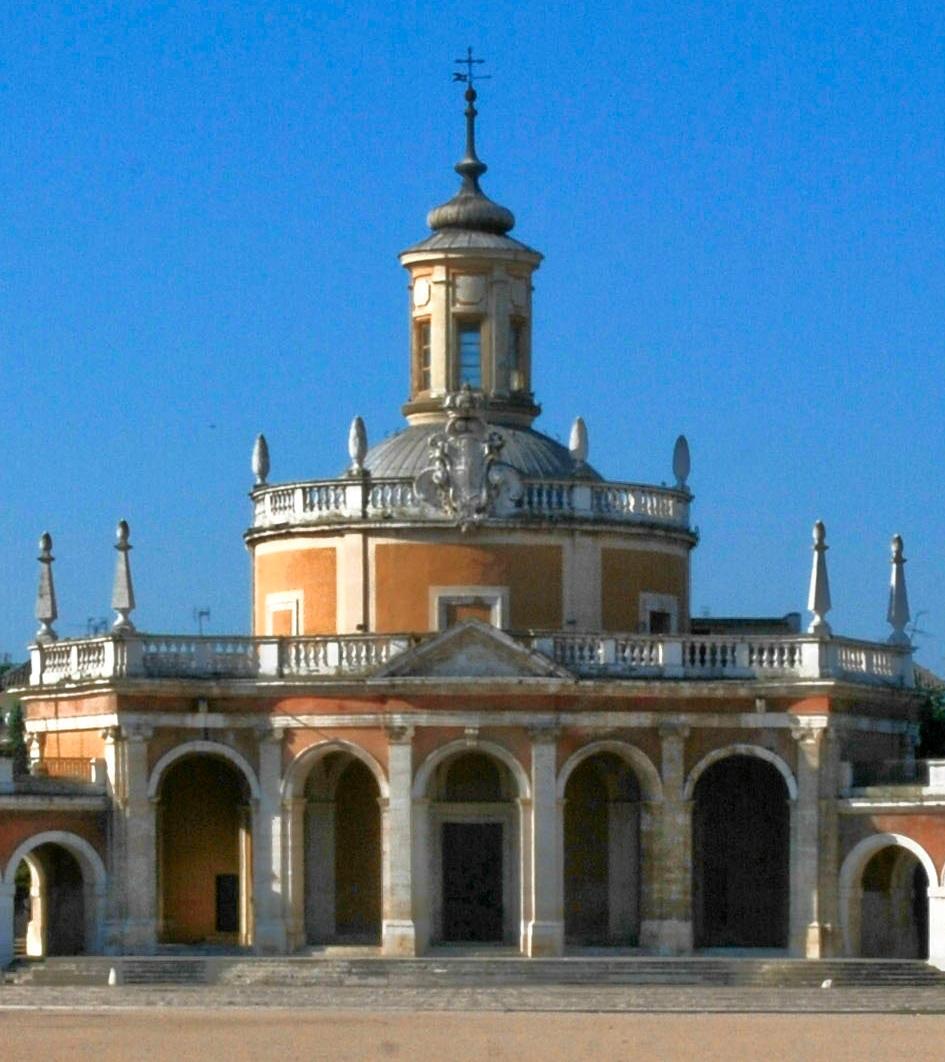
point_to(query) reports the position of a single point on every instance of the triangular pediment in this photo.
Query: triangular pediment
(472, 649)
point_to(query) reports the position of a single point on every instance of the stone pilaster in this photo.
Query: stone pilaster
(293, 870)
(398, 935)
(805, 929)
(673, 934)
(937, 925)
(830, 782)
(7, 891)
(135, 842)
(269, 936)
(545, 929)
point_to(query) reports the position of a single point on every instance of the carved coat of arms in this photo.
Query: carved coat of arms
(466, 475)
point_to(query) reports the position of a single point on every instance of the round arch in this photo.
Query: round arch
(716, 755)
(851, 873)
(90, 862)
(297, 771)
(203, 748)
(641, 765)
(454, 748)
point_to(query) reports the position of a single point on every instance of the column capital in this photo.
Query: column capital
(667, 731)
(809, 733)
(137, 732)
(400, 734)
(111, 734)
(273, 734)
(544, 735)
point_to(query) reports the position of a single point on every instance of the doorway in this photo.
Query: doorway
(472, 881)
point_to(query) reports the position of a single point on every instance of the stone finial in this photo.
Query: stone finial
(261, 460)
(577, 443)
(46, 611)
(818, 599)
(123, 594)
(357, 444)
(897, 613)
(681, 462)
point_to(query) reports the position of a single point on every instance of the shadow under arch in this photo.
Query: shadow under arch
(202, 748)
(647, 775)
(851, 875)
(717, 755)
(461, 746)
(296, 774)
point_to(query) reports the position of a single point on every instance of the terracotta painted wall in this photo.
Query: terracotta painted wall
(85, 744)
(405, 572)
(313, 571)
(627, 573)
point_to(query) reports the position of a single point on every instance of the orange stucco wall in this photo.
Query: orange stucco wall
(404, 573)
(627, 573)
(313, 571)
(85, 744)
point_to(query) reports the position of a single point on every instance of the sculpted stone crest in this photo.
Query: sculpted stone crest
(466, 475)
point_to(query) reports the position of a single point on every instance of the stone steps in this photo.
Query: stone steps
(457, 972)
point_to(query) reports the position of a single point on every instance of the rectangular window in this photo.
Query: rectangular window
(424, 357)
(470, 354)
(660, 622)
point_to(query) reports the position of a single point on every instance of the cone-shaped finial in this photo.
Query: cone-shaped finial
(578, 444)
(897, 613)
(46, 611)
(681, 462)
(261, 460)
(818, 599)
(357, 444)
(123, 594)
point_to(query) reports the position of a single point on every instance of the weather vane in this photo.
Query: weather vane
(470, 78)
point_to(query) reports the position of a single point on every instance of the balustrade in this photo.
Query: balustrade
(793, 657)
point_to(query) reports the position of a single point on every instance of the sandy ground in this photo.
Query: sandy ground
(234, 1035)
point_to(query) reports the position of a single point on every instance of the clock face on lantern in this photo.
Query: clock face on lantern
(421, 292)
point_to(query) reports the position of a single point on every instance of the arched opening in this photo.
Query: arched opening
(474, 835)
(740, 855)
(49, 912)
(894, 906)
(602, 853)
(342, 852)
(205, 853)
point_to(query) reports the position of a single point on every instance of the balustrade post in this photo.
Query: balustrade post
(398, 931)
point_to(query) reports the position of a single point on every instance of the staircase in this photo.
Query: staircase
(455, 972)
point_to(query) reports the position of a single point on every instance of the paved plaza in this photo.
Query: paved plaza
(126, 1029)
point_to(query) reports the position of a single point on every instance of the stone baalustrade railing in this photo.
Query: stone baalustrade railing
(787, 658)
(357, 499)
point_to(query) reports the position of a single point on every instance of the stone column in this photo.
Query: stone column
(545, 931)
(293, 872)
(936, 925)
(7, 891)
(623, 876)
(804, 937)
(398, 936)
(135, 839)
(651, 884)
(269, 933)
(829, 904)
(674, 872)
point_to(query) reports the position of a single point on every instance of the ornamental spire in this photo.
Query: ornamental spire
(470, 208)
(46, 611)
(818, 600)
(897, 613)
(123, 594)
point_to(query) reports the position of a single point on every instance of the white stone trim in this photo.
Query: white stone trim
(197, 748)
(497, 597)
(650, 601)
(93, 869)
(740, 750)
(423, 776)
(851, 874)
(292, 601)
(651, 787)
(293, 783)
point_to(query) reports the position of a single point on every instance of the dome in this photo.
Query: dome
(533, 455)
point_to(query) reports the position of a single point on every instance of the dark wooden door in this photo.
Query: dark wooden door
(472, 881)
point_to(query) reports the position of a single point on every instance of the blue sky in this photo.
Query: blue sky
(740, 207)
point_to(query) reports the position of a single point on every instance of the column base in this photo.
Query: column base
(667, 936)
(544, 939)
(138, 937)
(398, 938)
(807, 942)
(269, 938)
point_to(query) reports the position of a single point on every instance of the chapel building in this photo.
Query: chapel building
(475, 707)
